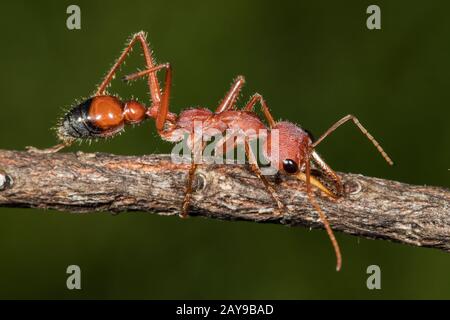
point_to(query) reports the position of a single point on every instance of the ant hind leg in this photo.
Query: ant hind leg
(50, 150)
(158, 111)
(152, 82)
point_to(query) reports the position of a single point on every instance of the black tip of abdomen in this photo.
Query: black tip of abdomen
(77, 123)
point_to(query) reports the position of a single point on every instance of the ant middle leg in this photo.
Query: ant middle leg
(257, 171)
(230, 98)
(196, 155)
(227, 103)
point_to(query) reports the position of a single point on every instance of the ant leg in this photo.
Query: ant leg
(188, 194)
(153, 83)
(190, 179)
(159, 111)
(230, 98)
(256, 170)
(142, 73)
(322, 215)
(360, 127)
(164, 108)
(53, 149)
(265, 109)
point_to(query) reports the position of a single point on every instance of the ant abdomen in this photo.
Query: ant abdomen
(99, 117)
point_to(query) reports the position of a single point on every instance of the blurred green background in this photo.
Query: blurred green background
(314, 62)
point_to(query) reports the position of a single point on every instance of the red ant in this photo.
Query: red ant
(104, 115)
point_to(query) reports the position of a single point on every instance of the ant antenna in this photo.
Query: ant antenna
(360, 127)
(322, 216)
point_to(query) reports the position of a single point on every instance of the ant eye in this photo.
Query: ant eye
(290, 166)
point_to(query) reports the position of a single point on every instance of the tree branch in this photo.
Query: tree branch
(372, 208)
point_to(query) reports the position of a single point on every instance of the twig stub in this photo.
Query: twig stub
(5, 180)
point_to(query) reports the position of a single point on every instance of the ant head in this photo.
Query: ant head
(287, 145)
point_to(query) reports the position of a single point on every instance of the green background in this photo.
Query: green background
(314, 62)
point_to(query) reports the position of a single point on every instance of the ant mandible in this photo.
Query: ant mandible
(104, 115)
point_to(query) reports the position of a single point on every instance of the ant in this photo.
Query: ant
(104, 115)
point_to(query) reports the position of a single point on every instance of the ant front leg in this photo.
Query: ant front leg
(152, 82)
